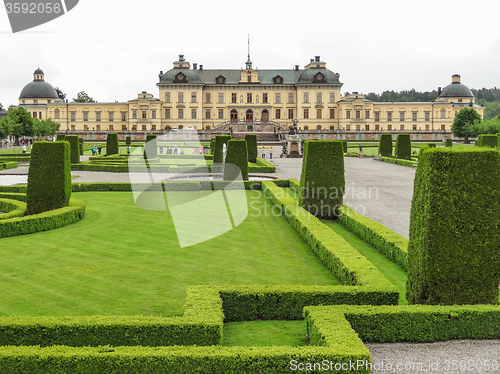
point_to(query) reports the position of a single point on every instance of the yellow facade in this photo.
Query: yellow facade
(202, 99)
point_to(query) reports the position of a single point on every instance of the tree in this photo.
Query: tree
(1, 107)
(82, 97)
(46, 127)
(60, 94)
(463, 124)
(21, 123)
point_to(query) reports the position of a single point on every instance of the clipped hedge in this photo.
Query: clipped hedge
(49, 176)
(385, 145)
(218, 144)
(261, 166)
(448, 142)
(252, 147)
(344, 146)
(60, 137)
(11, 208)
(384, 240)
(453, 255)
(488, 140)
(43, 221)
(333, 251)
(8, 165)
(322, 183)
(112, 144)
(128, 140)
(399, 161)
(236, 160)
(151, 147)
(74, 146)
(403, 146)
(80, 145)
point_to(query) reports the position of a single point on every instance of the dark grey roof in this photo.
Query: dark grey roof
(38, 89)
(38, 71)
(233, 76)
(456, 89)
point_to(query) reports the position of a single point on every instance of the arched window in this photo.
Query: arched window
(318, 127)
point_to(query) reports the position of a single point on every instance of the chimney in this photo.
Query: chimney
(195, 65)
(317, 58)
(161, 72)
(296, 67)
(439, 91)
(312, 59)
(201, 67)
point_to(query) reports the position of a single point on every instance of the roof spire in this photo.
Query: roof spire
(248, 63)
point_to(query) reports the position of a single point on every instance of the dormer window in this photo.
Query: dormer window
(180, 78)
(319, 78)
(278, 80)
(220, 80)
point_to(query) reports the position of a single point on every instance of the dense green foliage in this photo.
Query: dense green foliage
(236, 160)
(218, 144)
(449, 142)
(403, 96)
(60, 137)
(128, 140)
(11, 208)
(344, 146)
(74, 146)
(403, 146)
(83, 97)
(453, 255)
(252, 147)
(487, 141)
(322, 183)
(80, 146)
(463, 124)
(151, 147)
(385, 145)
(49, 177)
(112, 144)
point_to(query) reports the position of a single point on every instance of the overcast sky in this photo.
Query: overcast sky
(115, 49)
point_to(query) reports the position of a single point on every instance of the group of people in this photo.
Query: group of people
(96, 150)
(171, 150)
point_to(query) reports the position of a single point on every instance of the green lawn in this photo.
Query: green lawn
(265, 333)
(121, 260)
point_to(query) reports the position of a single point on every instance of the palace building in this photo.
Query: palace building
(252, 100)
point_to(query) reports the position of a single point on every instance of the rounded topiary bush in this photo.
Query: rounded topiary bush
(251, 140)
(74, 145)
(403, 146)
(112, 144)
(385, 145)
(237, 155)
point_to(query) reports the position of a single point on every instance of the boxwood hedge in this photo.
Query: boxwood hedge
(218, 144)
(49, 176)
(151, 147)
(74, 146)
(237, 156)
(385, 145)
(453, 255)
(252, 147)
(403, 146)
(322, 183)
(112, 144)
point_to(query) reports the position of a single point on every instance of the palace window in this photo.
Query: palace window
(234, 98)
(358, 114)
(110, 127)
(56, 114)
(389, 116)
(348, 127)
(443, 113)
(208, 113)
(319, 113)
(348, 114)
(278, 113)
(377, 127)
(332, 113)
(193, 113)
(358, 127)
(134, 127)
(367, 127)
(306, 113)
(167, 113)
(221, 98)
(290, 113)
(306, 97)
(427, 116)
(144, 128)
(153, 127)
(401, 127)
(367, 114)
(98, 127)
(290, 98)
(278, 98)
(249, 98)
(180, 97)
(319, 97)
(111, 116)
(377, 116)
(401, 116)
(414, 127)
(86, 116)
(193, 97)
(221, 113)
(144, 114)
(208, 97)
(72, 116)
(332, 97)
(180, 113)
(426, 127)
(389, 127)
(413, 116)
(98, 116)
(124, 116)
(167, 97)
(443, 127)
(153, 114)
(264, 98)
(134, 114)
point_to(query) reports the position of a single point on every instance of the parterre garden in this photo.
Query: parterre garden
(114, 293)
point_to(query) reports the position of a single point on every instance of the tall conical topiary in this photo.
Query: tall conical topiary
(74, 144)
(448, 142)
(220, 140)
(237, 155)
(112, 144)
(385, 145)
(251, 140)
(453, 251)
(151, 147)
(403, 146)
(49, 177)
(322, 183)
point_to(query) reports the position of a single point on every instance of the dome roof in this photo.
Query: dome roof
(456, 89)
(38, 71)
(311, 74)
(38, 90)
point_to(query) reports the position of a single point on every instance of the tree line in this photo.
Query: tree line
(18, 124)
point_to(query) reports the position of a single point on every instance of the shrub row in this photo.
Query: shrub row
(11, 208)
(14, 196)
(416, 323)
(335, 253)
(403, 146)
(43, 221)
(8, 165)
(167, 186)
(201, 324)
(261, 166)
(399, 161)
(385, 241)
(385, 145)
